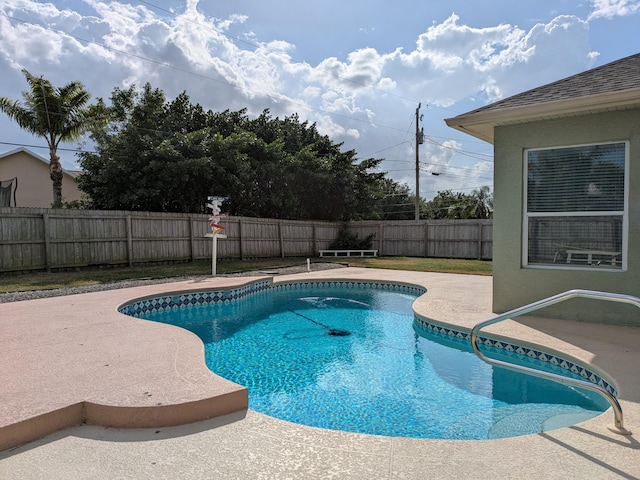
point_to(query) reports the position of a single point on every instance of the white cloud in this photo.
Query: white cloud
(387, 84)
(365, 100)
(19, 42)
(439, 171)
(449, 46)
(450, 62)
(614, 8)
(453, 61)
(440, 155)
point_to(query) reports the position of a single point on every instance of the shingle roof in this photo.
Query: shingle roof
(619, 75)
(611, 87)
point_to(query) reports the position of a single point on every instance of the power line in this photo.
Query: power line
(450, 172)
(404, 142)
(478, 156)
(206, 77)
(46, 147)
(475, 155)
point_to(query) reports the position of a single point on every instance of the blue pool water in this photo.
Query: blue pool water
(354, 360)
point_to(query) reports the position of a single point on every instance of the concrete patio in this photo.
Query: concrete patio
(75, 372)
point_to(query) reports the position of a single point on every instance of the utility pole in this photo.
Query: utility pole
(419, 140)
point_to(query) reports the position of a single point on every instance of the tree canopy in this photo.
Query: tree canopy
(56, 114)
(161, 155)
(456, 205)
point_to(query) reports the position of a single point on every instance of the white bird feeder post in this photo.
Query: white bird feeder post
(216, 229)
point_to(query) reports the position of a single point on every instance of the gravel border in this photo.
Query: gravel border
(58, 292)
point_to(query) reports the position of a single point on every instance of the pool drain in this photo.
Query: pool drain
(334, 332)
(338, 333)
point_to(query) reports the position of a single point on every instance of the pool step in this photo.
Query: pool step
(536, 418)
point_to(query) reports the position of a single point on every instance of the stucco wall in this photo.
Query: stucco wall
(513, 285)
(34, 185)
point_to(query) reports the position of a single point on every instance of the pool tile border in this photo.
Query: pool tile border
(394, 287)
(208, 297)
(532, 353)
(161, 303)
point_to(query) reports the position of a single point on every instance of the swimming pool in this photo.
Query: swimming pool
(386, 375)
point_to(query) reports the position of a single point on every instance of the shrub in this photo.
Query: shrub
(347, 240)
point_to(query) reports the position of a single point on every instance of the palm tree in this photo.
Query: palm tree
(481, 202)
(57, 114)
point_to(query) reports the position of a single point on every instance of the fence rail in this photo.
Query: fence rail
(47, 239)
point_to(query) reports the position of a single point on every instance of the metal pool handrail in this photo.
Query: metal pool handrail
(561, 297)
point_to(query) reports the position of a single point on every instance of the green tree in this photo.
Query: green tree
(56, 114)
(151, 155)
(169, 156)
(446, 204)
(481, 203)
(396, 202)
(457, 205)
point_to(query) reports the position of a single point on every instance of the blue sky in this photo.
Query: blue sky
(356, 69)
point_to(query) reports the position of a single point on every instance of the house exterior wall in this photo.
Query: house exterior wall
(34, 185)
(514, 285)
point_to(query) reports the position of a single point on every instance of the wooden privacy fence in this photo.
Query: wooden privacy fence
(47, 239)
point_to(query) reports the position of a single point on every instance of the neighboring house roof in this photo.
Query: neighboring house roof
(614, 86)
(73, 173)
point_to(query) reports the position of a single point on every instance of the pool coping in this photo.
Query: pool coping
(562, 364)
(184, 362)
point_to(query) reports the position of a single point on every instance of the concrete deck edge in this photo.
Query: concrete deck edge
(125, 416)
(217, 398)
(40, 426)
(121, 417)
(166, 415)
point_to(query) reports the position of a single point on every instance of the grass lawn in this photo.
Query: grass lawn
(443, 265)
(47, 281)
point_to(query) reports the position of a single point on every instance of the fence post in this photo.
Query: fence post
(281, 235)
(426, 240)
(129, 239)
(315, 240)
(240, 232)
(47, 242)
(191, 238)
(381, 236)
(480, 241)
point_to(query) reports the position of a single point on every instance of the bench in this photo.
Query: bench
(587, 256)
(348, 253)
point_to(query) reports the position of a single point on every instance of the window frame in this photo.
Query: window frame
(526, 215)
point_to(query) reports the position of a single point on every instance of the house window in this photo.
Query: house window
(575, 207)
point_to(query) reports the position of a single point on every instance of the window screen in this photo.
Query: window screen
(575, 200)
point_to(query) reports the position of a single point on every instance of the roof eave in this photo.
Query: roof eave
(481, 124)
(72, 173)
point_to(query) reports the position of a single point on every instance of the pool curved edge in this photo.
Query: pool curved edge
(183, 298)
(559, 361)
(27, 415)
(555, 359)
